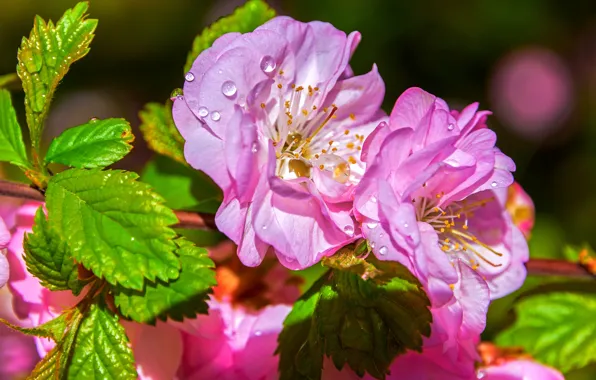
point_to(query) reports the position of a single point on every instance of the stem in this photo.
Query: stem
(197, 220)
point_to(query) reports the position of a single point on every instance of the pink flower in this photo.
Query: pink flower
(157, 349)
(519, 370)
(520, 206)
(233, 343)
(430, 200)
(277, 120)
(4, 239)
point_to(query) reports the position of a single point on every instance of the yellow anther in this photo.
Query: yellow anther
(279, 85)
(350, 145)
(304, 112)
(352, 160)
(352, 116)
(346, 132)
(321, 166)
(262, 105)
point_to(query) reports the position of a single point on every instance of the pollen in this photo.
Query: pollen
(321, 166)
(279, 85)
(262, 105)
(352, 116)
(346, 132)
(293, 86)
(281, 72)
(352, 160)
(350, 145)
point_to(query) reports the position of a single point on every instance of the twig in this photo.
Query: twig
(197, 220)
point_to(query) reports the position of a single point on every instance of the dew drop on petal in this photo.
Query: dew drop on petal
(373, 199)
(372, 225)
(175, 93)
(406, 225)
(189, 77)
(264, 226)
(180, 97)
(215, 116)
(494, 184)
(228, 88)
(267, 64)
(451, 126)
(381, 235)
(255, 147)
(203, 111)
(349, 230)
(372, 244)
(480, 374)
(258, 333)
(383, 251)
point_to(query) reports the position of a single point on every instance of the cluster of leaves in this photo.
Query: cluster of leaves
(102, 233)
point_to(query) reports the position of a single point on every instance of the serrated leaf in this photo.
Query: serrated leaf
(182, 187)
(54, 364)
(556, 329)
(47, 257)
(244, 19)
(96, 144)
(12, 147)
(101, 349)
(45, 57)
(362, 323)
(114, 225)
(53, 329)
(183, 297)
(160, 132)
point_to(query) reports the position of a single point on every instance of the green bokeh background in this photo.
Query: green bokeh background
(449, 48)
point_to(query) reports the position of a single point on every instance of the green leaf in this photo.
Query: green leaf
(97, 144)
(8, 79)
(364, 323)
(64, 330)
(53, 329)
(48, 258)
(45, 57)
(183, 188)
(244, 19)
(114, 225)
(101, 349)
(184, 297)
(12, 147)
(157, 126)
(556, 329)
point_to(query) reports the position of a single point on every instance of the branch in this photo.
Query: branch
(189, 220)
(197, 220)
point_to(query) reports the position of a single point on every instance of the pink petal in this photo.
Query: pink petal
(520, 370)
(157, 351)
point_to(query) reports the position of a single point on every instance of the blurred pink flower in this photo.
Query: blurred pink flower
(429, 200)
(277, 120)
(232, 343)
(532, 91)
(519, 370)
(4, 240)
(34, 305)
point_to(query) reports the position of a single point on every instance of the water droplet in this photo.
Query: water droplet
(255, 147)
(349, 229)
(372, 225)
(228, 88)
(334, 166)
(480, 374)
(494, 184)
(177, 92)
(372, 244)
(180, 97)
(258, 333)
(189, 77)
(242, 101)
(406, 225)
(203, 112)
(215, 116)
(451, 126)
(264, 226)
(268, 64)
(220, 71)
(383, 251)
(93, 120)
(373, 199)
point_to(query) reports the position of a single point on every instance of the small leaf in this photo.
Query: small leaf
(157, 126)
(45, 57)
(64, 330)
(183, 297)
(53, 329)
(364, 323)
(556, 329)
(101, 348)
(244, 19)
(48, 258)
(182, 187)
(12, 147)
(97, 144)
(115, 226)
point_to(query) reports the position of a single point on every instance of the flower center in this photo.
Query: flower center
(451, 222)
(303, 140)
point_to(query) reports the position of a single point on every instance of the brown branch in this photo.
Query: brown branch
(197, 220)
